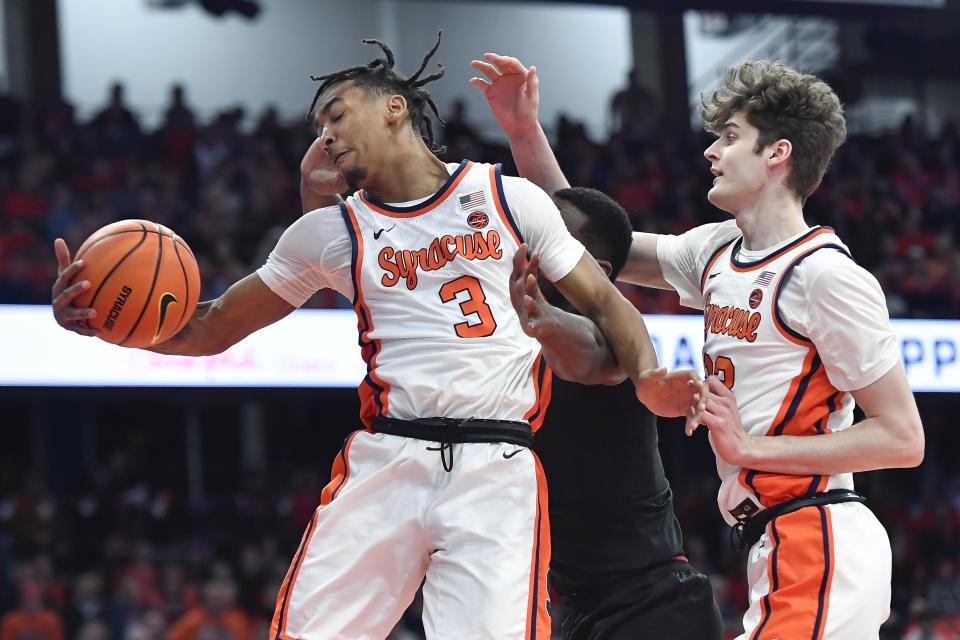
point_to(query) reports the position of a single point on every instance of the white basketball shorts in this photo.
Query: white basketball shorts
(819, 573)
(392, 516)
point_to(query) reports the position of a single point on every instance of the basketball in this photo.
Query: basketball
(144, 282)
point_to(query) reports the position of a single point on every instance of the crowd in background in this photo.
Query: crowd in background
(230, 189)
(119, 555)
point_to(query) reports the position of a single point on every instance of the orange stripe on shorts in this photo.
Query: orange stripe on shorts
(800, 568)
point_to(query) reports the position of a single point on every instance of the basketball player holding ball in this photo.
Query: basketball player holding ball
(441, 483)
(796, 333)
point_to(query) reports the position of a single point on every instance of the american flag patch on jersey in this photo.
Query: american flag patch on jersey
(473, 200)
(765, 278)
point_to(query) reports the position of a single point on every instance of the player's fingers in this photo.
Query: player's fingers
(715, 407)
(692, 421)
(481, 84)
(533, 80)
(531, 288)
(64, 277)
(718, 387)
(520, 260)
(690, 375)
(66, 296)
(486, 69)
(708, 419)
(509, 64)
(62, 252)
(71, 314)
(534, 266)
(530, 307)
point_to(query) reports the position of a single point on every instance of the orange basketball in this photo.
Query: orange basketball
(144, 282)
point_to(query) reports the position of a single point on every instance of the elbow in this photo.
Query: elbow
(912, 444)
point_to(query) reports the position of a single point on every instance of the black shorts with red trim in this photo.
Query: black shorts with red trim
(670, 600)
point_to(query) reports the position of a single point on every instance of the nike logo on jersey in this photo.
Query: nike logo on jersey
(713, 275)
(376, 234)
(507, 456)
(404, 263)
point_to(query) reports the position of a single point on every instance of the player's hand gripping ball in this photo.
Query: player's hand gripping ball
(144, 282)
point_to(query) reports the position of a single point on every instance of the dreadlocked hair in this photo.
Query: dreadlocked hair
(379, 77)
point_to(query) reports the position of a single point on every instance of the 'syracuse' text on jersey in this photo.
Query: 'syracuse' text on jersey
(429, 281)
(800, 324)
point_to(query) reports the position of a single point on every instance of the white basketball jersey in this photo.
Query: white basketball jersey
(773, 370)
(431, 292)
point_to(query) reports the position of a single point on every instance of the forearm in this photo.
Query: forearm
(197, 338)
(216, 325)
(576, 350)
(625, 332)
(868, 445)
(535, 160)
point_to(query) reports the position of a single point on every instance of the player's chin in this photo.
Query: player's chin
(354, 176)
(723, 202)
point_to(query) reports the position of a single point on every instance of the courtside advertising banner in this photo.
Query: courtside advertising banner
(318, 348)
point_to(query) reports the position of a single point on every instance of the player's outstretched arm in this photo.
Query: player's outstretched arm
(216, 325)
(890, 436)
(512, 92)
(573, 346)
(642, 266)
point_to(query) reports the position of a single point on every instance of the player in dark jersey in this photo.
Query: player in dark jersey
(617, 546)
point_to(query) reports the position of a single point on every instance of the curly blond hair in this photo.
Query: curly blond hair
(782, 103)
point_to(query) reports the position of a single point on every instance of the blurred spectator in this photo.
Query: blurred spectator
(87, 604)
(32, 619)
(138, 556)
(216, 617)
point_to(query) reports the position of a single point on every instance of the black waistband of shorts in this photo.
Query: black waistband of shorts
(448, 430)
(750, 530)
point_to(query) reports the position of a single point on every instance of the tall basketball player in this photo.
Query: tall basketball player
(796, 335)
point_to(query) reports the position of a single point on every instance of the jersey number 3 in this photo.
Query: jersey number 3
(474, 303)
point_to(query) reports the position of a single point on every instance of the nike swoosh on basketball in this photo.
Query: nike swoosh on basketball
(376, 234)
(165, 301)
(507, 456)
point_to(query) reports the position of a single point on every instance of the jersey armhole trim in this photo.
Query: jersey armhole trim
(500, 200)
(778, 320)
